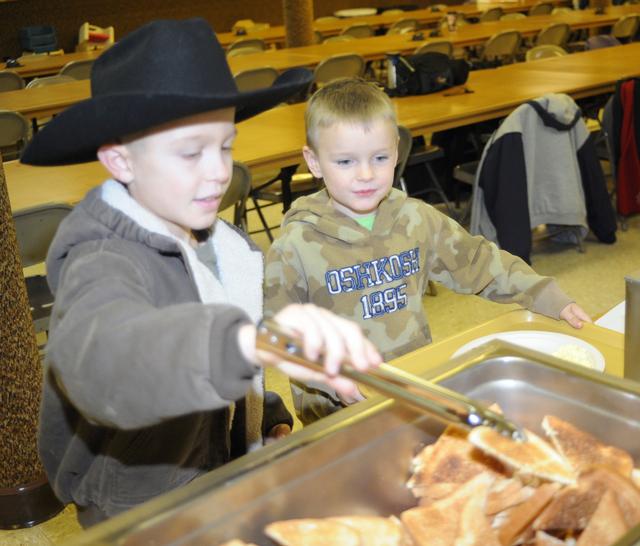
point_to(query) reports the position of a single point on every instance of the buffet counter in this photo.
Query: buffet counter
(357, 460)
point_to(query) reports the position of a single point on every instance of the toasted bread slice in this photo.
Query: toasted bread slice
(516, 520)
(453, 460)
(475, 528)
(312, 532)
(626, 493)
(582, 450)
(533, 458)
(375, 531)
(606, 525)
(505, 494)
(438, 523)
(543, 539)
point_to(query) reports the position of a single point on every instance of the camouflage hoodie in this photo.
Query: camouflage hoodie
(377, 278)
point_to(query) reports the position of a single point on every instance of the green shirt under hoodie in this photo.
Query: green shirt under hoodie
(377, 277)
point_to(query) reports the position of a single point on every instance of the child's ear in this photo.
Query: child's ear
(312, 161)
(116, 159)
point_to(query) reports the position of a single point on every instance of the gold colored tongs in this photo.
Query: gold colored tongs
(445, 404)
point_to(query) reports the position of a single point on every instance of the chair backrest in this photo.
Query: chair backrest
(404, 149)
(544, 52)
(339, 38)
(256, 44)
(560, 10)
(256, 78)
(626, 27)
(10, 81)
(14, 133)
(35, 228)
(348, 65)
(327, 19)
(237, 194)
(600, 41)
(443, 46)
(503, 45)
(359, 31)
(492, 14)
(49, 80)
(403, 25)
(78, 70)
(513, 16)
(556, 34)
(541, 8)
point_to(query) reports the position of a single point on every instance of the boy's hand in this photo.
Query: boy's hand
(336, 339)
(575, 315)
(277, 432)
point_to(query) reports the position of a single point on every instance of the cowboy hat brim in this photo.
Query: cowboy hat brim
(75, 135)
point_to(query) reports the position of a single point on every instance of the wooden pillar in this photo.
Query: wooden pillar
(298, 22)
(21, 473)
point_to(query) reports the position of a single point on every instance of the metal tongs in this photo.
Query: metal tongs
(445, 404)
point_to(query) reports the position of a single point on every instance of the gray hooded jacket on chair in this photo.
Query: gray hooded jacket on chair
(540, 167)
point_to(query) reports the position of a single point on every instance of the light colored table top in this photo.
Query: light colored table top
(275, 138)
(424, 16)
(42, 65)
(44, 102)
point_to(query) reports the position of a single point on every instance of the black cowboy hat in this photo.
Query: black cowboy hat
(161, 72)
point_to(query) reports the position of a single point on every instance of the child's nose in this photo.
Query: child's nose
(365, 171)
(217, 168)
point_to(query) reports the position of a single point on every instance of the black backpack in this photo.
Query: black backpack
(428, 73)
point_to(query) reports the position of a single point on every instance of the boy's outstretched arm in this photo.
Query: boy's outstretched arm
(574, 315)
(323, 335)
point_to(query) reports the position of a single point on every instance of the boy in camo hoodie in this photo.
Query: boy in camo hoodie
(366, 251)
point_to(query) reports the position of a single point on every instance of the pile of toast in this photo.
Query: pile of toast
(482, 489)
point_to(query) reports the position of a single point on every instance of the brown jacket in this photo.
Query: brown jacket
(139, 373)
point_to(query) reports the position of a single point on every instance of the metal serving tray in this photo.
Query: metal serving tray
(357, 461)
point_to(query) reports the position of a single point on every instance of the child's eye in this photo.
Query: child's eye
(191, 154)
(343, 162)
(381, 158)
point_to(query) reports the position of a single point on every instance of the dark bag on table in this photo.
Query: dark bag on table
(427, 73)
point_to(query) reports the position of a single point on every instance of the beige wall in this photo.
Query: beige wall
(126, 15)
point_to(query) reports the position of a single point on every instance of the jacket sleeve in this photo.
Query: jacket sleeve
(503, 179)
(126, 363)
(600, 215)
(472, 265)
(285, 283)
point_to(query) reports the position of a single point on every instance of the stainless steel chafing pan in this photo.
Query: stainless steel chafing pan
(357, 461)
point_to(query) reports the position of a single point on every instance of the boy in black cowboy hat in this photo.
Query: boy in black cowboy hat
(152, 334)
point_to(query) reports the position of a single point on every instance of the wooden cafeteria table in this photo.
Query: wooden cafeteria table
(275, 138)
(42, 102)
(43, 65)
(276, 34)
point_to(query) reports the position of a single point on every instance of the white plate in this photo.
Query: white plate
(544, 342)
(355, 12)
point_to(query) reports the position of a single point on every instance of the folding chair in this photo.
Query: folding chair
(78, 70)
(348, 65)
(544, 52)
(237, 194)
(14, 134)
(35, 229)
(556, 34)
(359, 31)
(443, 47)
(10, 81)
(541, 8)
(492, 14)
(256, 78)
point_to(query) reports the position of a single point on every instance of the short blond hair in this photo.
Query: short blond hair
(350, 100)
